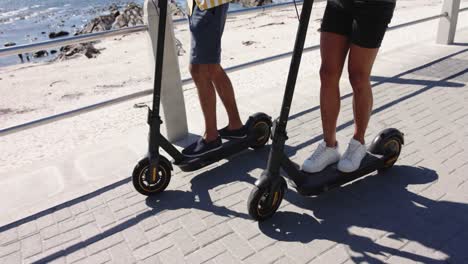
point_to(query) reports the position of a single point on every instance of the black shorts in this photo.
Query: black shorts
(363, 21)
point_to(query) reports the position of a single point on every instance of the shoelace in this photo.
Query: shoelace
(318, 153)
(349, 152)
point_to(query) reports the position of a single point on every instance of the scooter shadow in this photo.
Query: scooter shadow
(237, 168)
(383, 205)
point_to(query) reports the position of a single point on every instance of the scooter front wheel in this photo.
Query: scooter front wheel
(143, 180)
(263, 202)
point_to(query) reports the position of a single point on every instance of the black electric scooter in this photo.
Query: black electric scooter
(152, 174)
(269, 189)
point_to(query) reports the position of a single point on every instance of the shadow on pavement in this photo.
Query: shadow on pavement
(381, 203)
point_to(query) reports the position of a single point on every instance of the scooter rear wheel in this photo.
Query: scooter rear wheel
(141, 178)
(392, 150)
(262, 130)
(263, 202)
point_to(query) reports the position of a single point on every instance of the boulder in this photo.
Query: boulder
(9, 44)
(40, 54)
(70, 51)
(59, 34)
(253, 3)
(131, 16)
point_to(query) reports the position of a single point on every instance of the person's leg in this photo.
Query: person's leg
(201, 74)
(360, 65)
(370, 23)
(371, 19)
(333, 50)
(223, 86)
(334, 46)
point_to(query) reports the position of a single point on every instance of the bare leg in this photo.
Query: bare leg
(201, 74)
(223, 86)
(360, 65)
(333, 50)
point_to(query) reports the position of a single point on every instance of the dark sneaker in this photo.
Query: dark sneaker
(201, 146)
(240, 133)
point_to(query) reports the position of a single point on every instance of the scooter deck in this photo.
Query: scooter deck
(229, 148)
(315, 183)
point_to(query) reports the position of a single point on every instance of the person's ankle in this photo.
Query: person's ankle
(359, 139)
(331, 143)
(235, 126)
(210, 137)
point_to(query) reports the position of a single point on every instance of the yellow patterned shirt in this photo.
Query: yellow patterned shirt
(205, 4)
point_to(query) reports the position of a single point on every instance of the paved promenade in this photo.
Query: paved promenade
(414, 213)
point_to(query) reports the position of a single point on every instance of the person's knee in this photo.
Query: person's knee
(329, 74)
(358, 79)
(205, 71)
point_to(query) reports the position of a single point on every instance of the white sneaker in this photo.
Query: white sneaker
(351, 159)
(321, 158)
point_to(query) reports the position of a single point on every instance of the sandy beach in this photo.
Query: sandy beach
(33, 91)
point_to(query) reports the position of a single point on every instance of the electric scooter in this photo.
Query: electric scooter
(268, 192)
(152, 174)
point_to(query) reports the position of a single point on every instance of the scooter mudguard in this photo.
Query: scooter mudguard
(378, 143)
(257, 116)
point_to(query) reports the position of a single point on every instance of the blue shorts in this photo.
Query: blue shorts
(207, 28)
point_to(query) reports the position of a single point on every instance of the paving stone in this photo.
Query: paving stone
(62, 214)
(261, 241)
(45, 221)
(153, 248)
(148, 223)
(135, 237)
(337, 254)
(245, 228)
(13, 258)
(184, 241)
(61, 239)
(99, 258)
(9, 248)
(78, 208)
(89, 231)
(104, 217)
(76, 256)
(213, 234)
(27, 229)
(103, 243)
(117, 204)
(162, 230)
(50, 232)
(206, 253)
(131, 211)
(121, 254)
(77, 222)
(8, 236)
(226, 258)
(171, 255)
(95, 202)
(238, 246)
(31, 246)
(268, 255)
(193, 223)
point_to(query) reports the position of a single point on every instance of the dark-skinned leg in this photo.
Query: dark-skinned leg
(201, 74)
(223, 86)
